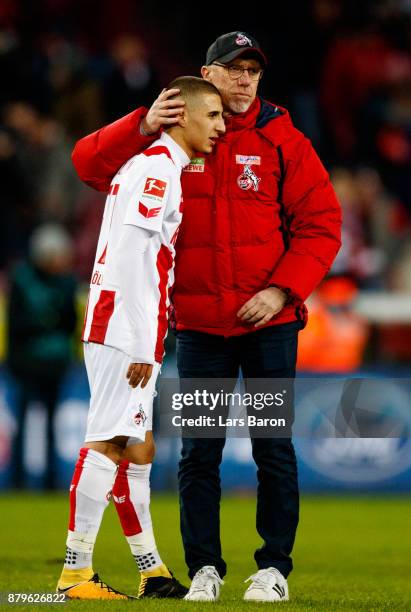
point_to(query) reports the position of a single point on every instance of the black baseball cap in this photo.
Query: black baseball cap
(234, 44)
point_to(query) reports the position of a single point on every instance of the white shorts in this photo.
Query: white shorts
(116, 409)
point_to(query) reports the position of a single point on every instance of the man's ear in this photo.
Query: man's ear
(205, 73)
(182, 119)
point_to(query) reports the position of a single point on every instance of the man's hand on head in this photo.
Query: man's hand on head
(139, 373)
(163, 112)
(263, 306)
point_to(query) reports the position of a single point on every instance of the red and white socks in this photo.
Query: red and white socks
(90, 489)
(95, 480)
(131, 495)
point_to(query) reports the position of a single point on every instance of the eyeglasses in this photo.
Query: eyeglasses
(235, 72)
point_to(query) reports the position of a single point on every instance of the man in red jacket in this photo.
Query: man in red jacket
(261, 229)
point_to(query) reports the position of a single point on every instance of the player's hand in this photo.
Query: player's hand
(139, 373)
(163, 111)
(263, 306)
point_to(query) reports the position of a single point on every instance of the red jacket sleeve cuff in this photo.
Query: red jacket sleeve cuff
(299, 273)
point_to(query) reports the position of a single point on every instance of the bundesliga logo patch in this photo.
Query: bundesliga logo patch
(197, 164)
(154, 189)
(154, 192)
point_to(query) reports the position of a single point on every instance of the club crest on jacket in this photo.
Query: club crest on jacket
(248, 179)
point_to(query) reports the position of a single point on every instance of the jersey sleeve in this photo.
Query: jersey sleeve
(134, 274)
(151, 192)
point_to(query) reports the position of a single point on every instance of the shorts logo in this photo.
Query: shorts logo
(197, 164)
(242, 40)
(140, 417)
(248, 179)
(155, 188)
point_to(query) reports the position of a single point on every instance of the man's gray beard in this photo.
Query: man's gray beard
(239, 107)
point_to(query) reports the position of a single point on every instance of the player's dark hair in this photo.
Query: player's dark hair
(191, 87)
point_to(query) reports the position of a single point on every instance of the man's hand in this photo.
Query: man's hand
(138, 372)
(163, 111)
(263, 306)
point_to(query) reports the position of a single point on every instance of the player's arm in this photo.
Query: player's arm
(132, 273)
(149, 199)
(98, 156)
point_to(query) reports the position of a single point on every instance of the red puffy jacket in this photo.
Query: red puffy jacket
(259, 211)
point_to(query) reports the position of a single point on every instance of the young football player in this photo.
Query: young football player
(124, 331)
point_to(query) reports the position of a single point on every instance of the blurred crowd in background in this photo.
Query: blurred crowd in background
(343, 70)
(341, 67)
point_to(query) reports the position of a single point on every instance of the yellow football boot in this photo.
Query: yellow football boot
(94, 588)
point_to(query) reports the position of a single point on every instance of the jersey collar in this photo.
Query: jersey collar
(179, 156)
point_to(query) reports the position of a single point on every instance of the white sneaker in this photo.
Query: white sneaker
(205, 585)
(267, 585)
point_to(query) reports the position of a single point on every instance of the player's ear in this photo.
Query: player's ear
(182, 119)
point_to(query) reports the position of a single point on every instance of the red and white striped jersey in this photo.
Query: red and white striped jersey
(133, 269)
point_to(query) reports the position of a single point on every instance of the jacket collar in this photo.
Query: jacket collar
(245, 120)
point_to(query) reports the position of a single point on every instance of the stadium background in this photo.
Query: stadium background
(342, 68)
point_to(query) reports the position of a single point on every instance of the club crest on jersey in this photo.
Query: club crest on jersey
(243, 40)
(197, 164)
(154, 189)
(140, 417)
(248, 179)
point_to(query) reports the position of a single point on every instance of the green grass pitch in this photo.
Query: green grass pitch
(352, 553)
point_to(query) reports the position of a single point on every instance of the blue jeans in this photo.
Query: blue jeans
(266, 353)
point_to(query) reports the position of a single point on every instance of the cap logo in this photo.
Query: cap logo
(242, 40)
